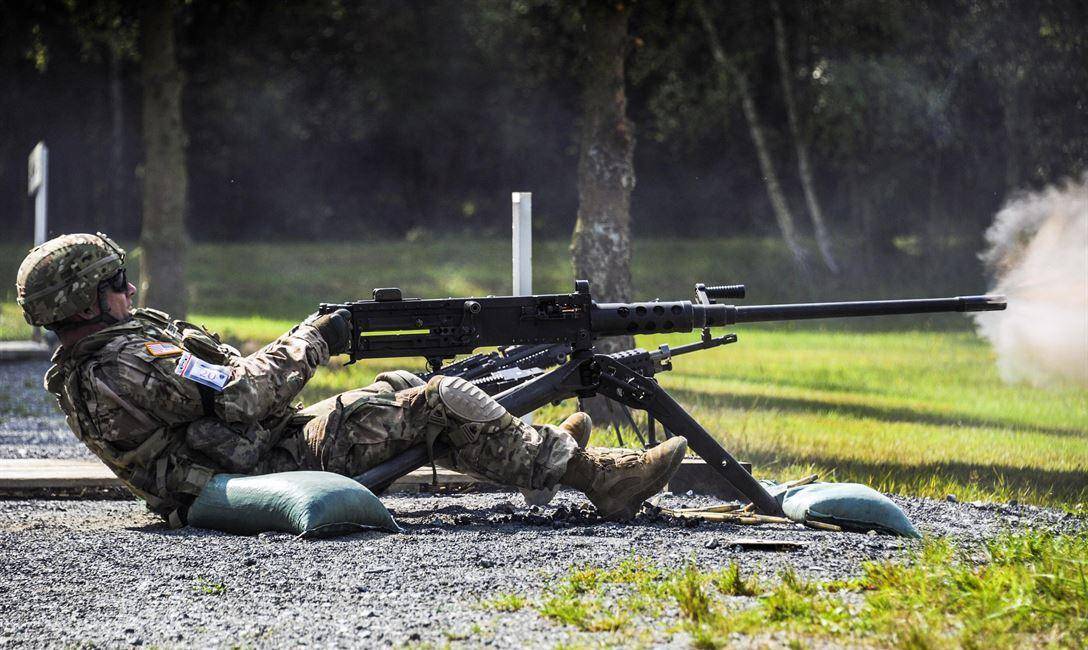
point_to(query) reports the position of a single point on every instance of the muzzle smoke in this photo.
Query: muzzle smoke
(1038, 253)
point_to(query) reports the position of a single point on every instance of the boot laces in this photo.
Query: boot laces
(612, 459)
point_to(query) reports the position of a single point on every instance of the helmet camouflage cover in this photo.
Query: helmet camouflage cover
(60, 278)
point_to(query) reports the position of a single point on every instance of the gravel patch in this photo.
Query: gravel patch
(108, 573)
(31, 423)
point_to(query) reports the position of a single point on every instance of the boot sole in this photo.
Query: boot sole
(624, 514)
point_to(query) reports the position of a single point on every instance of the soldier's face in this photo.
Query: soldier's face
(120, 302)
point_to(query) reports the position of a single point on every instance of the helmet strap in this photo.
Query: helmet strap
(103, 316)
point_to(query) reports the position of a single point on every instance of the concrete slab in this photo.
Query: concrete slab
(36, 473)
(695, 475)
(24, 351)
(18, 476)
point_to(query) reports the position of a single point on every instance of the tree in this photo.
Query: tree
(108, 30)
(804, 168)
(163, 240)
(601, 247)
(728, 71)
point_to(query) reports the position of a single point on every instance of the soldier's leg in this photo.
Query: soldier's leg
(579, 426)
(491, 443)
(488, 442)
(358, 430)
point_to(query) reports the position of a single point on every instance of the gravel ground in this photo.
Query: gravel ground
(107, 573)
(31, 423)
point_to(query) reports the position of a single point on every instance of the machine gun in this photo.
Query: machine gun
(440, 329)
(498, 371)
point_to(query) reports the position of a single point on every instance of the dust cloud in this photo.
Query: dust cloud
(1038, 253)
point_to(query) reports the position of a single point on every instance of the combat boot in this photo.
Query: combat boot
(579, 426)
(617, 481)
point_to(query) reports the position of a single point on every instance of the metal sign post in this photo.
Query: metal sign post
(37, 185)
(523, 251)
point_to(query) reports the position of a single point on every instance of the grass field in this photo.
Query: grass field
(917, 408)
(919, 413)
(1019, 591)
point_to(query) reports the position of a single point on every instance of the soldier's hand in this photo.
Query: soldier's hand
(335, 328)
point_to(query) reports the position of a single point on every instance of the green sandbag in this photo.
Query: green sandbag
(312, 504)
(852, 506)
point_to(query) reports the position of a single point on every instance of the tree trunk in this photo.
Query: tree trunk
(601, 245)
(162, 237)
(728, 71)
(819, 228)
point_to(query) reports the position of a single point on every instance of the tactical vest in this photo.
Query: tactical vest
(161, 470)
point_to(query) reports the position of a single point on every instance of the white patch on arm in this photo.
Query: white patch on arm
(202, 372)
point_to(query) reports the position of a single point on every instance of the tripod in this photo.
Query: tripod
(626, 378)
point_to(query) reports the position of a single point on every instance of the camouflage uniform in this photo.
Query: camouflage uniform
(165, 436)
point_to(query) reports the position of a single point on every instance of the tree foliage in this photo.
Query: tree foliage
(327, 119)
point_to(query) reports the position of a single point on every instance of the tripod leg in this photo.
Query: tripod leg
(615, 425)
(634, 425)
(627, 387)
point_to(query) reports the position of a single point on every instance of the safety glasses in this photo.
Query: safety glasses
(118, 282)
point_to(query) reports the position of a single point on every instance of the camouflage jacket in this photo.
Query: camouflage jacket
(165, 435)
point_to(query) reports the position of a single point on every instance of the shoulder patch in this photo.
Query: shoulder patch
(162, 349)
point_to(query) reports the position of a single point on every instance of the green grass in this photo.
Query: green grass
(506, 603)
(208, 587)
(912, 410)
(908, 412)
(13, 326)
(594, 599)
(1026, 589)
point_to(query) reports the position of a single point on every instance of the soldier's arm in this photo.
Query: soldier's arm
(257, 386)
(223, 424)
(266, 381)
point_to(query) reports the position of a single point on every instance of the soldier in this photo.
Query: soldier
(166, 405)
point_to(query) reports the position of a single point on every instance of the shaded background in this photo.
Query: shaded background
(330, 121)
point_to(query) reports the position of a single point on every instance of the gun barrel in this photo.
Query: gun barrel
(762, 313)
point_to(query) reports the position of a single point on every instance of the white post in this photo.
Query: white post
(38, 186)
(523, 251)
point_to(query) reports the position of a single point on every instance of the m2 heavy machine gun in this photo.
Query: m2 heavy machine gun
(438, 330)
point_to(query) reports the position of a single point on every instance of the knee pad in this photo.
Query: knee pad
(463, 401)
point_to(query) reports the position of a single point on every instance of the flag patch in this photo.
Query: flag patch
(162, 349)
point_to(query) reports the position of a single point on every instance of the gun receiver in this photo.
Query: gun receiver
(390, 326)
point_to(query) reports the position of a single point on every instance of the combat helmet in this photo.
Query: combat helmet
(61, 277)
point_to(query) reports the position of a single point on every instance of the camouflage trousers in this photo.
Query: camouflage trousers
(357, 430)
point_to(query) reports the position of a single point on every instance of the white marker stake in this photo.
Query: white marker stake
(523, 251)
(37, 185)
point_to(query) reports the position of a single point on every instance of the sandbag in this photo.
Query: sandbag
(311, 504)
(852, 506)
